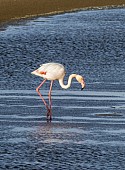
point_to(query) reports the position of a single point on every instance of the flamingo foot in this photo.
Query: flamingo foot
(49, 114)
(49, 119)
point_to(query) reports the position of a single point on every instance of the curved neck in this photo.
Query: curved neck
(61, 81)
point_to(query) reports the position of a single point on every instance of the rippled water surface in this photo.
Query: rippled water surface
(87, 130)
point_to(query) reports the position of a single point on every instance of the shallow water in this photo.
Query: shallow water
(85, 133)
(87, 130)
(90, 43)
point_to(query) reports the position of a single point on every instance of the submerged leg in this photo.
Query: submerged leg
(37, 90)
(50, 99)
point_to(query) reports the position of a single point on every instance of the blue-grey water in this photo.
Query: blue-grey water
(88, 127)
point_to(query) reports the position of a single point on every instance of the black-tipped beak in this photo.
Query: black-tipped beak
(83, 85)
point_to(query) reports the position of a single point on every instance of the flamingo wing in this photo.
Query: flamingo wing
(50, 71)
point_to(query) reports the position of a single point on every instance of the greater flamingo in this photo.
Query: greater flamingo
(54, 71)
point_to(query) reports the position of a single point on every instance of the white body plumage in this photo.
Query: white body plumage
(50, 71)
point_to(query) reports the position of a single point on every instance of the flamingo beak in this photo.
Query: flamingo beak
(82, 84)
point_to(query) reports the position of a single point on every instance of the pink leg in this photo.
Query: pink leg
(37, 90)
(50, 100)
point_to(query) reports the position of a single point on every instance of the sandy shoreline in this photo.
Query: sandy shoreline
(15, 9)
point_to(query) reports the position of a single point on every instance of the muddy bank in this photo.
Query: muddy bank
(14, 9)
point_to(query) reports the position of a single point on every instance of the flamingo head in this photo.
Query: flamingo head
(80, 79)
